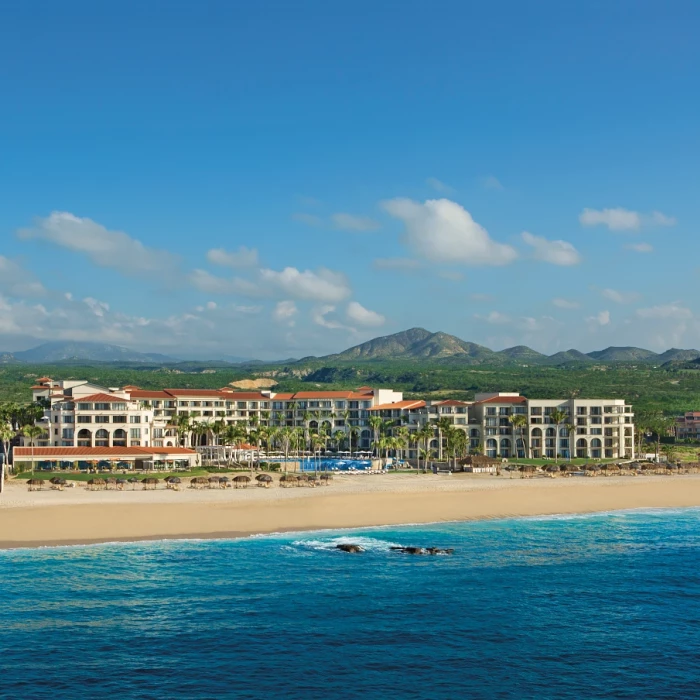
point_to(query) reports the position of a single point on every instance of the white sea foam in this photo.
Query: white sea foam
(368, 544)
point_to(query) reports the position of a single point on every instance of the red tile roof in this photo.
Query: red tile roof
(38, 387)
(504, 399)
(98, 452)
(452, 402)
(213, 393)
(44, 379)
(145, 394)
(324, 395)
(398, 405)
(100, 398)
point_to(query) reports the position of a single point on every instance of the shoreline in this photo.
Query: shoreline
(79, 517)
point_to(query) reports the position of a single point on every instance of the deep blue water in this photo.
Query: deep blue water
(604, 606)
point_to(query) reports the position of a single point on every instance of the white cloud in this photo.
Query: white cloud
(321, 285)
(211, 284)
(443, 231)
(211, 305)
(666, 311)
(318, 316)
(554, 252)
(350, 222)
(308, 219)
(495, 318)
(657, 218)
(619, 297)
(439, 186)
(620, 219)
(243, 257)
(602, 318)
(640, 247)
(18, 282)
(565, 303)
(617, 219)
(285, 312)
(364, 317)
(492, 183)
(396, 263)
(99, 308)
(112, 249)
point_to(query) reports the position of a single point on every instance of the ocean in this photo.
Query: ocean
(597, 606)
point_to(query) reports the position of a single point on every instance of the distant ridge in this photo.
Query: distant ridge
(59, 351)
(419, 343)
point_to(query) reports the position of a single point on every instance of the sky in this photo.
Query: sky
(281, 179)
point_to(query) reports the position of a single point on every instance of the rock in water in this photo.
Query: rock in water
(351, 548)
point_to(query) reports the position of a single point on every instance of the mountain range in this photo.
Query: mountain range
(414, 344)
(420, 344)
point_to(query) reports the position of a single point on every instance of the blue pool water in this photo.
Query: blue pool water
(327, 464)
(604, 606)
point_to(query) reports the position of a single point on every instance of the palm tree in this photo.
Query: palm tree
(519, 423)
(6, 434)
(181, 423)
(376, 423)
(557, 417)
(570, 435)
(425, 434)
(354, 431)
(32, 432)
(414, 439)
(443, 426)
(402, 434)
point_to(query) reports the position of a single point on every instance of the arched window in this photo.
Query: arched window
(551, 432)
(119, 438)
(581, 448)
(102, 438)
(505, 447)
(474, 433)
(537, 432)
(84, 438)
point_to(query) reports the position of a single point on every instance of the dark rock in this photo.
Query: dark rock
(351, 548)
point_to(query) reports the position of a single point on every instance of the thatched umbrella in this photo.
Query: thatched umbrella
(288, 480)
(121, 483)
(94, 484)
(150, 481)
(133, 481)
(224, 480)
(326, 478)
(213, 482)
(552, 468)
(199, 482)
(174, 483)
(35, 484)
(111, 482)
(57, 482)
(241, 481)
(264, 480)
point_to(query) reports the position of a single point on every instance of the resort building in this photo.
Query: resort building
(504, 425)
(688, 426)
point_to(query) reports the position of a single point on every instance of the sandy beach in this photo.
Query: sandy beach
(79, 516)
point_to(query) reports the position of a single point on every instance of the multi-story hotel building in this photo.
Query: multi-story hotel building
(688, 426)
(83, 414)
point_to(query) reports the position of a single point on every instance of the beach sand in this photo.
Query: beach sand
(78, 516)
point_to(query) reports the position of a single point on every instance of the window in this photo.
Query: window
(102, 407)
(118, 419)
(158, 433)
(490, 411)
(101, 419)
(84, 406)
(84, 419)
(134, 419)
(135, 433)
(536, 411)
(119, 407)
(68, 419)
(67, 433)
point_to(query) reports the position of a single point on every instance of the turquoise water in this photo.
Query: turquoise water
(604, 606)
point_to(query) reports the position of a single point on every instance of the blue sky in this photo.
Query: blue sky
(281, 179)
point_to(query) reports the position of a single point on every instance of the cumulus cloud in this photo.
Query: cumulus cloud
(619, 297)
(565, 303)
(439, 186)
(666, 311)
(111, 249)
(495, 318)
(285, 312)
(99, 308)
(18, 282)
(441, 230)
(243, 257)
(620, 219)
(640, 247)
(602, 318)
(362, 316)
(212, 284)
(319, 317)
(554, 252)
(396, 263)
(320, 285)
(350, 222)
(308, 219)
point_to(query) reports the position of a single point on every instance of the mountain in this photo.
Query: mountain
(627, 354)
(566, 356)
(415, 344)
(676, 355)
(59, 351)
(522, 354)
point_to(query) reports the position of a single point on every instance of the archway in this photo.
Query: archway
(101, 438)
(581, 448)
(119, 438)
(84, 438)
